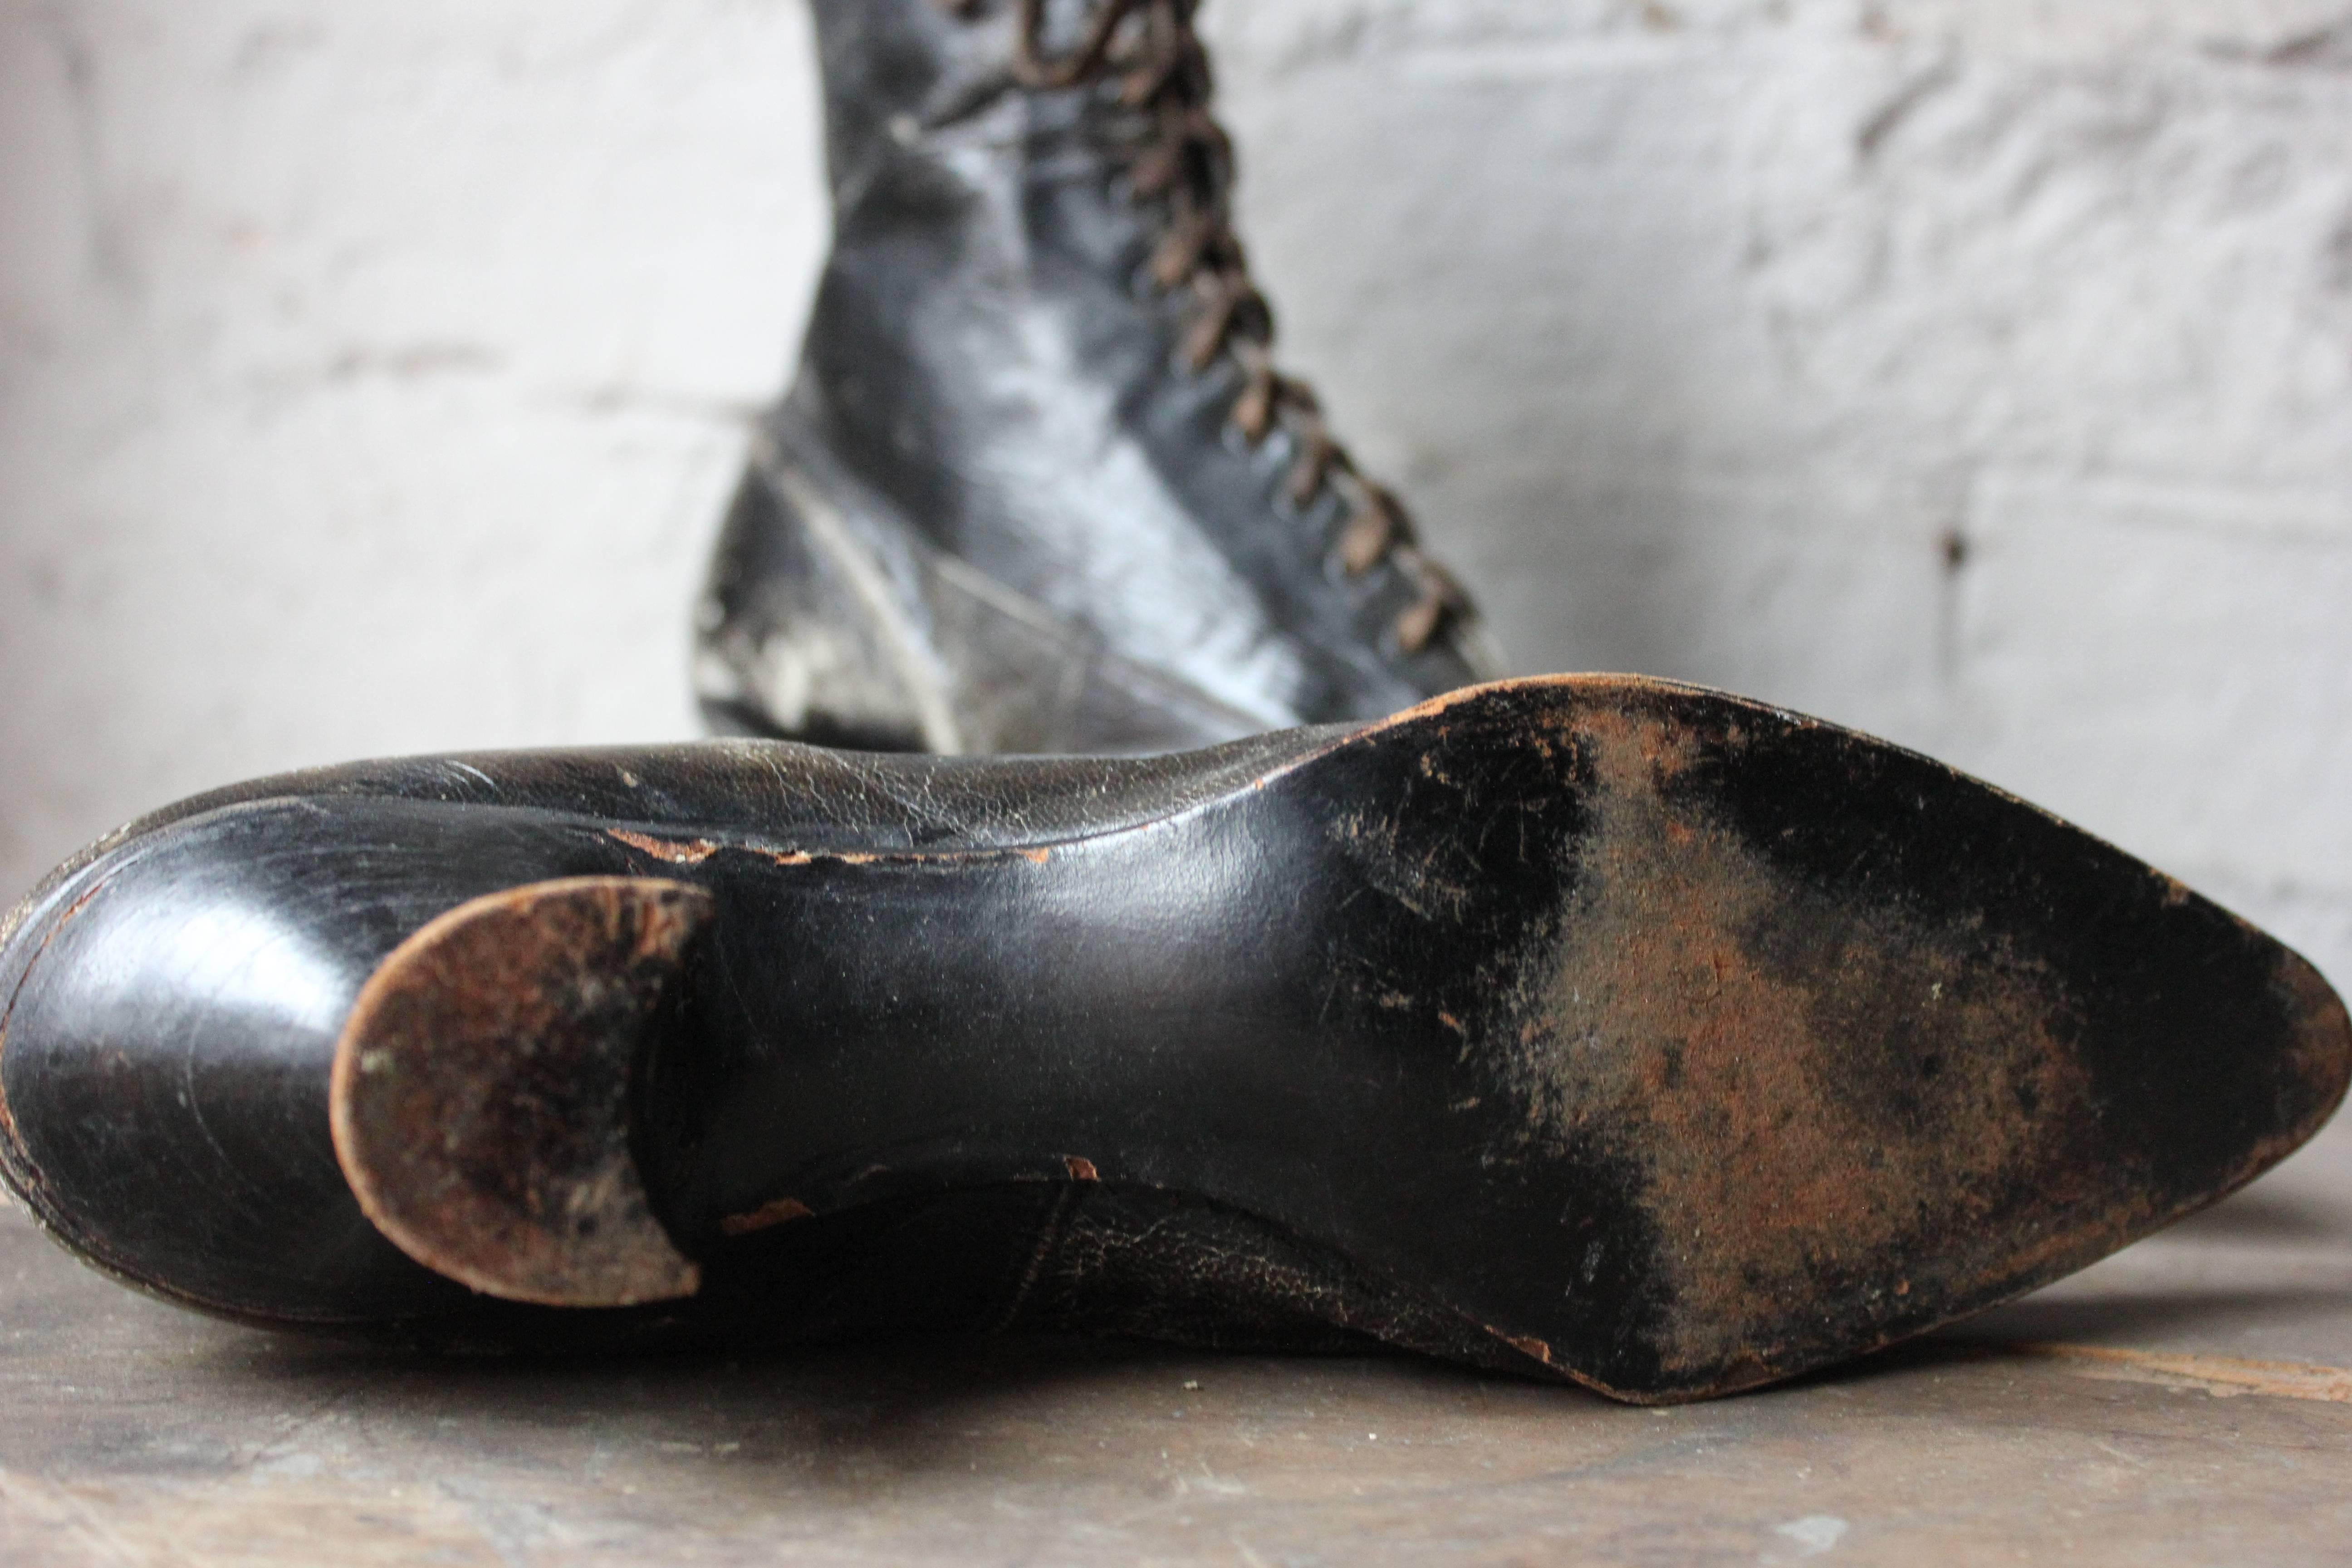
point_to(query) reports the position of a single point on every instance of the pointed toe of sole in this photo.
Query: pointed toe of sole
(1849, 1044)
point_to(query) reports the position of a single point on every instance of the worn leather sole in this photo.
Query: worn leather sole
(1595, 1027)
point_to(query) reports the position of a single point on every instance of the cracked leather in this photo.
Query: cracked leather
(999, 1259)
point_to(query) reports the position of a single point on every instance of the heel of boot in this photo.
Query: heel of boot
(481, 1096)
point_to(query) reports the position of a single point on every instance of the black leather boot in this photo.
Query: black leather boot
(1590, 1028)
(1038, 487)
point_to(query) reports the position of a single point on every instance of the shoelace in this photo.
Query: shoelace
(1149, 46)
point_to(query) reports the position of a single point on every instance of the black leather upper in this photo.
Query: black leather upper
(988, 350)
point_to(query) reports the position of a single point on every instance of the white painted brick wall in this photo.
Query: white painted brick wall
(1976, 372)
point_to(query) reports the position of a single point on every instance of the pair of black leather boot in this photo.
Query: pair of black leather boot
(1587, 1028)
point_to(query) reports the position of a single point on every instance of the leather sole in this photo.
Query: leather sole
(1655, 1039)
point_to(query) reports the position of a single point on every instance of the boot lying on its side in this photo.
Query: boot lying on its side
(1039, 486)
(1591, 1027)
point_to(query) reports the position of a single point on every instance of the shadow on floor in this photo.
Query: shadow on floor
(2126, 1318)
(2263, 1215)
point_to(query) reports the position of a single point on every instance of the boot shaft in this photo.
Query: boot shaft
(1037, 366)
(982, 263)
(885, 64)
(895, 71)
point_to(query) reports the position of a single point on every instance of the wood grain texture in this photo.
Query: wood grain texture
(138, 1435)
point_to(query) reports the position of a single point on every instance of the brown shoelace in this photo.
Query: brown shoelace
(1151, 48)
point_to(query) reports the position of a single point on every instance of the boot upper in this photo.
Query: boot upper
(997, 347)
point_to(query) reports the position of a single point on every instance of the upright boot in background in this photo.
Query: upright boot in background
(1038, 486)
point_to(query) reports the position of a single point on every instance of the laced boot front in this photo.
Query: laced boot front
(1040, 484)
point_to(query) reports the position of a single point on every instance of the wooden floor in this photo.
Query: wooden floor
(2180, 1404)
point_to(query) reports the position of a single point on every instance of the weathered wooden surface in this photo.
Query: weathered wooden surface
(2220, 1433)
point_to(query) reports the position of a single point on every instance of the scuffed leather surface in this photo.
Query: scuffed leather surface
(1022, 1257)
(986, 353)
(779, 793)
(315, 876)
(831, 617)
